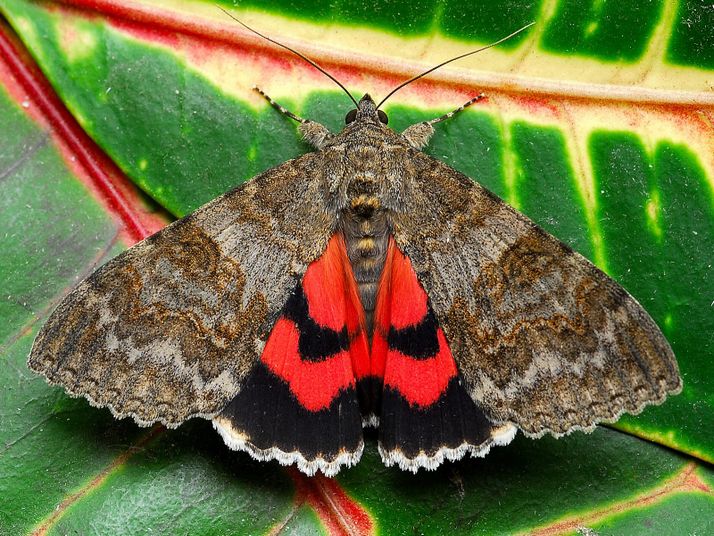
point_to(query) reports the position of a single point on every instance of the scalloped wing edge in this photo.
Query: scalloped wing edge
(500, 436)
(118, 414)
(607, 420)
(240, 442)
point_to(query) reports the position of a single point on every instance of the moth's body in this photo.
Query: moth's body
(249, 312)
(365, 226)
(367, 180)
(365, 221)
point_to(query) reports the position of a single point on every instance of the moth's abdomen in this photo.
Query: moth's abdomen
(366, 231)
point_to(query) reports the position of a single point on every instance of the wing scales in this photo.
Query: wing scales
(542, 337)
(168, 329)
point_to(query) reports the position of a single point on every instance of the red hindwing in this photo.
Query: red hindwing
(409, 349)
(318, 345)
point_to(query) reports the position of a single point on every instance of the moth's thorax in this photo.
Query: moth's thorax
(368, 159)
(369, 133)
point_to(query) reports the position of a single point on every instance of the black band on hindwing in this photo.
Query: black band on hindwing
(369, 395)
(316, 342)
(454, 419)
(419, 341)
(271, 416)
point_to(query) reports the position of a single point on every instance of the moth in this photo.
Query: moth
(365, 284)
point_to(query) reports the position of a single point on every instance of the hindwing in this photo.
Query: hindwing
(299, 403)
(426, 413)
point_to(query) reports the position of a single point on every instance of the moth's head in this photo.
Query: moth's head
(366, 112)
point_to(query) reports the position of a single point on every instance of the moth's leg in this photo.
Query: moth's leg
(314, 133)
(420, 134)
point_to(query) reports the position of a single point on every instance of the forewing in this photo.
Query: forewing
(168, 329)
(542, 337)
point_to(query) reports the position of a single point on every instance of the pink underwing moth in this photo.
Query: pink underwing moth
(365, 284)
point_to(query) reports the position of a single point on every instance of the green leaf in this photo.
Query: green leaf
(546, 486)
(45, 253)
(597, 126)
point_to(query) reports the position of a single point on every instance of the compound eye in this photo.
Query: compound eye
(382, 117)
(351, 116)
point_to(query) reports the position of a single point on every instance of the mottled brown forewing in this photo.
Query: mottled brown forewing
(167, 330)
(542, 337)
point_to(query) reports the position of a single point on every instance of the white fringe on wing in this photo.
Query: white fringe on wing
(237, 440)
(500, 436)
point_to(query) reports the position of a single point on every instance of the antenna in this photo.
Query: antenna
(315, 65)
(400, 86)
